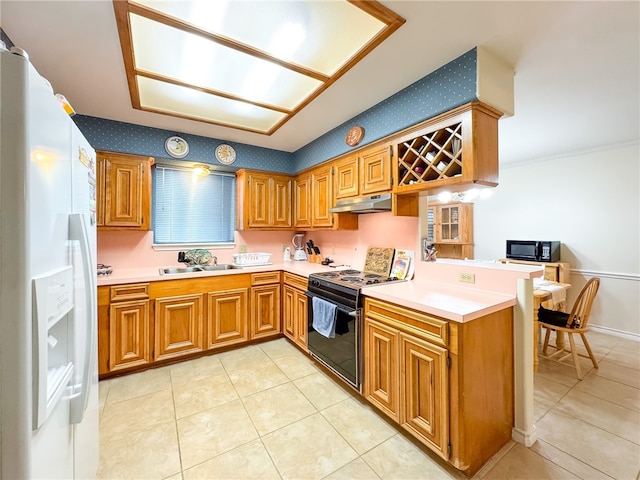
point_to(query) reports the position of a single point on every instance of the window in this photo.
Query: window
(191, 209)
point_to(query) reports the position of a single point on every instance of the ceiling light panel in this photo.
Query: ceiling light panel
(250, 65)
(321, 35)
(195, 60)
(189, 103)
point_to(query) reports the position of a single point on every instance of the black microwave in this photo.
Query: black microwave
(533, 250)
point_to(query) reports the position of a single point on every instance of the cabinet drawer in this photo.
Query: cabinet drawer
(296, 281)
(135, 291)
(417, 323)
(265, 278)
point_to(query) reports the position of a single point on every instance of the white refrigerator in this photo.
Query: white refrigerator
(48, 313)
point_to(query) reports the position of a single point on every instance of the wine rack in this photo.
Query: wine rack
(453, 151)
(431, 156)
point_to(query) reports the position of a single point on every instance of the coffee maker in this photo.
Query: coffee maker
(297, 242)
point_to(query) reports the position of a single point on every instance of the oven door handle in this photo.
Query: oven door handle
(349, 311)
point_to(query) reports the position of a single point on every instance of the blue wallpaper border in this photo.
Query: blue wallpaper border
(450, 86)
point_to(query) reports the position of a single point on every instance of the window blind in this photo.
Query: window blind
(189, 209)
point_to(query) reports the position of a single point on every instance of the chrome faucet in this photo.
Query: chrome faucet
(215, 260)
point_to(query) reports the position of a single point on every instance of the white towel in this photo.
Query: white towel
(324, 317)
(558, 293)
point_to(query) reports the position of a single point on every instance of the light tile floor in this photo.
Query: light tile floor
(268, 412)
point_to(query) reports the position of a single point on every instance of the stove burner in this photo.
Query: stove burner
(350, 272)
(351, 279)
(371, 275)
(330, 275)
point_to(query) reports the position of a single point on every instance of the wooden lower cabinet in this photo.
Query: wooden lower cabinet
(424, 380)
(140, 325)
(449, 384)
(265, 305)
(129, 335)
(227, 317)
(178, 326)
(382, 375)
(294, 310)
(124, 327)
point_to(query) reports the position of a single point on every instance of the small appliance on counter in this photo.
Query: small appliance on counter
(298, 242)
(533, 250)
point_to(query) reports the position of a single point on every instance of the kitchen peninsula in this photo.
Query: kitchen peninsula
(438, 355)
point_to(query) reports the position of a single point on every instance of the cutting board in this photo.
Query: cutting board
(378, 260)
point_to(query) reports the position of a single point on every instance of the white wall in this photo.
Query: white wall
(590, 201)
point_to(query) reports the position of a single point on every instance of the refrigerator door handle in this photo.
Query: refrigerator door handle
(78, 231)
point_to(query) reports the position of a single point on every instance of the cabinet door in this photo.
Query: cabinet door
(289, 312)
(178, 323)
(301, 326)
(424, 387)
(322, 198)
(227, 317)
(265, 311)
(381, 378)
(126, 196)
(260, 201)
(375, 171)
(281, 202)
(302, 200)
(129, 344)
(449, 223)
(347, 181)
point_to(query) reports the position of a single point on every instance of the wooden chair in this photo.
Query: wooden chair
(572, 323)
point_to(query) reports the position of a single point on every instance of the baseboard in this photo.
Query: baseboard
(525, 438)
(616, 333)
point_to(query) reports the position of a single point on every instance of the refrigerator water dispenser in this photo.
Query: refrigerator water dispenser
(53, 341)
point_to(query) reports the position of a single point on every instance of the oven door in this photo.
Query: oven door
(341, 354)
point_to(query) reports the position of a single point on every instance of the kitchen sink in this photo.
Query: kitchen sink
(201, 268)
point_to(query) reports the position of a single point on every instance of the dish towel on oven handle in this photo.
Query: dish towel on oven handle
(324, 317)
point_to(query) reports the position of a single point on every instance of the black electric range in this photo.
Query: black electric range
(343, 286)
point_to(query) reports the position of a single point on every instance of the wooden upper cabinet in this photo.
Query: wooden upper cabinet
(263, 201)
(124, 191)
(322, 194)
(347, 178)
(314, 197)
(302, 201)
(375, 170)
(365, 174)
(451, 227)
(281, 202)
(452, 151)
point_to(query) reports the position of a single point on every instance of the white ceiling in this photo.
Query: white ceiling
(577, 67)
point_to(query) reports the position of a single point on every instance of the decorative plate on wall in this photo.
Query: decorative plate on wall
(225, 154)
(177, 147)
(354, 136)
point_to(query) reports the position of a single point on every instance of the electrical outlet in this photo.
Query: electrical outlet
(333, 249)
(242, 248)
(284, 247)
(467, 277)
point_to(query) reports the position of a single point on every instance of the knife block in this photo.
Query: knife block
(314, 258)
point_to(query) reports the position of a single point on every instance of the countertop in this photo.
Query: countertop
(453, 302)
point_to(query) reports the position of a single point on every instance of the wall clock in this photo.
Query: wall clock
(225, 154)
(354, 136)
(177, 147)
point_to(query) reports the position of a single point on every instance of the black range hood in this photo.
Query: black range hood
(370, 204)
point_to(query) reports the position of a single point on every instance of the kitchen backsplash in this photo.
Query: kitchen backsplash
(133, 249)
